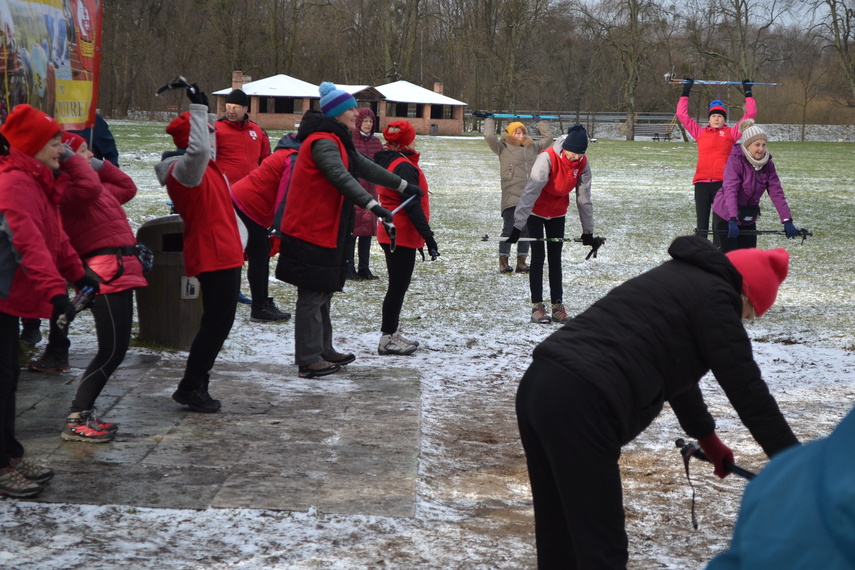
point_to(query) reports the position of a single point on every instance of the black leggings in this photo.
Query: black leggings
(572, 446)
(10, 368)
(554, 228)
(704, 195)
(114, 315)
(399, 264)
(729, 244)
(258, 260)
(219, 300)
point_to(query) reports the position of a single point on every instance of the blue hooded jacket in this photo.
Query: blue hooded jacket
(799, 513)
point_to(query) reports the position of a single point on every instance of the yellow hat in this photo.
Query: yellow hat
(512, 128)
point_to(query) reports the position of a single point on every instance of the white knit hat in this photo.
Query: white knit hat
(750, 133)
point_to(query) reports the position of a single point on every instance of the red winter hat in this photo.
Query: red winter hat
(403, 137)
(179, 128)
(762, 272)
(72, 140)
(27, 129)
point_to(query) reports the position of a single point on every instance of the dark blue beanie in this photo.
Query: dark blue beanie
(576, 140)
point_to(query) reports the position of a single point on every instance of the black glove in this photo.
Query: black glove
(433, 249)
(482, 114)
(382, 212)
(196, 95)
(746, 87)
(514, 237)
(687, 85)
(63, 311)
(587, 239)
(88, 281)
(595, 245)
(412, 190)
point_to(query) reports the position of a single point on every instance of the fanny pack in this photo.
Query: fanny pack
(138, 250)
(748, 214)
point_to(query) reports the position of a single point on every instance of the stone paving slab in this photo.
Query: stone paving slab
(346, 443)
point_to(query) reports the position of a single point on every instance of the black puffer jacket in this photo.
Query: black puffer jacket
(651, 339)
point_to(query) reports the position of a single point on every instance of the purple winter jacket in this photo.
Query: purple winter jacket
(744, 186)
(365, 223)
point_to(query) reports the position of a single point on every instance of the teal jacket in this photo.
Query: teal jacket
(799, 513)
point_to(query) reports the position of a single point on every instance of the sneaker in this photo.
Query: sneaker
(31, 471)
(366, 274)
(339, 358)
(400, 334)
(319, 368)
(268, 313)
(78, 429)
(31, 336)
(395, 344)
(93, 422)
(559, 314)
(198, 400)
(14, 484)
(539, 314)
(243, 299)
(50, 363)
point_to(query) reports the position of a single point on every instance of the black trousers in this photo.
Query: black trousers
(257, 260)
(741, 242)
(400, 264)
(554, 228)
(219, 301)
(704, 196)
(572, 446)
(10, 369)
(114, 316)
(362, 245)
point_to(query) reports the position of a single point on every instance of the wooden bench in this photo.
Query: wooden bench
(659, 131)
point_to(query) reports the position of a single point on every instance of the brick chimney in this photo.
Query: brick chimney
(238, 79)
(437, 88)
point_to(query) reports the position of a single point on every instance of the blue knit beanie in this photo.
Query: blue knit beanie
(334, 101)
(718, 107)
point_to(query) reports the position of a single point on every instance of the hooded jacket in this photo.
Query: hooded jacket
(365, 223)
(651, 340)
(29, 199)
(542, 197)
(94, 219)
(516, 158)
(800, 510)
(200, 193)
(744, 186)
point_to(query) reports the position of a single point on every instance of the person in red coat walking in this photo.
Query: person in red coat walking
(365, 224)
(213, 252)
(412, 232)
(36, 261)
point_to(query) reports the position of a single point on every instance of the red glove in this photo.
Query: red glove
(718, 453)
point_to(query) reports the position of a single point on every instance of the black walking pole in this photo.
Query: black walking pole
(803, 232)
(694, 450)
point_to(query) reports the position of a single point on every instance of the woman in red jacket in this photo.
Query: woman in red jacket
(715, 142)
(36, 261)
(411, 228)
(98, 228)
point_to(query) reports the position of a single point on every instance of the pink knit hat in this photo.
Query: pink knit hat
(762, 272)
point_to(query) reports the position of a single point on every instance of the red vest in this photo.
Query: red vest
(563, 176)
(313, 209)
(407, 235)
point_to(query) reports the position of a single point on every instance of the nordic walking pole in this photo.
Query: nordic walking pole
(671, 79)
(404, 203)
(693, 450)
(803, 232)
(598, 241)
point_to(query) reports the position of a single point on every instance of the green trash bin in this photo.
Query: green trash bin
(169, 310)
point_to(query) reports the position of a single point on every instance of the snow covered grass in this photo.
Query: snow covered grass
(473, 508)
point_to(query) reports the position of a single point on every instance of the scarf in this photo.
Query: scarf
(757, 164)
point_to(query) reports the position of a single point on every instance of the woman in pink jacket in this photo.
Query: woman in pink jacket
(98, 228)
(714, 143)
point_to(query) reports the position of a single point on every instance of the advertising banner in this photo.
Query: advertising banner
(50, 57)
